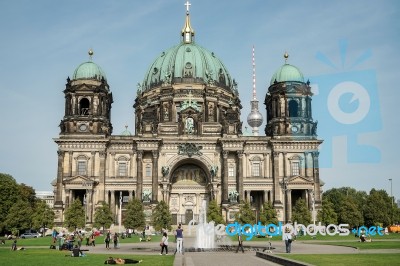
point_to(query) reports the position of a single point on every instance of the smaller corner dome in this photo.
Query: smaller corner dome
(126, 132)
(287, 72)
(89, 70)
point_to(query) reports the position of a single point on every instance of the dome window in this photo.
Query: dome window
(293, 108)
(188, 65)
(188, 50)
(84, 106)
(155, 70)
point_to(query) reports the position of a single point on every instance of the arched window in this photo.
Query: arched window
(256, 166)
(148, 170)
(122, 166)
(84, 106)
(231, 171)
(295, 165)
(81, 165)
(293, 108)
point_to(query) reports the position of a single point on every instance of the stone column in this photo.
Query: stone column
(239, 176)
(266, 165)
(277, 187)
(112, 172)
(112, 203)
(70, 154)
(288, 207)
(317, 188)
(93, 160)
(139, 161)
(306, 164)
(154, 194)
(58, 201)
(102, 175)
(225, 177)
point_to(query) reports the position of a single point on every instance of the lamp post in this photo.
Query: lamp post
(84, 206)
(391, 199)
(285, 207)
(313, 205)
(120, 211)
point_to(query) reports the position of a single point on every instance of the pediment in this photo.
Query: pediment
(77, 180)
(299, 180)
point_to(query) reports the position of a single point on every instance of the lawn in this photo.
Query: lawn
(48, 257)
(365, 245)
(346, 259)
(47, 241)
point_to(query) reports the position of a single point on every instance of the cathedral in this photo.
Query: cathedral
(188, 143)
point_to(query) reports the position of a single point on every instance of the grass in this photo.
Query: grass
(365, 245)
(392, 236)
(48, 257)
(47, 241)
(346, 259)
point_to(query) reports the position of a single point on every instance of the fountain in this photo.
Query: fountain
(205, 232)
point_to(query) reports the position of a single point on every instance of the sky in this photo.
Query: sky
(349, 50)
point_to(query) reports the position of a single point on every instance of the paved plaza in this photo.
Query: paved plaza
(230, 258)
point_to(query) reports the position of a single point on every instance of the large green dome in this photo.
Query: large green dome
(187, 63)
(89, 70)
(287, 73)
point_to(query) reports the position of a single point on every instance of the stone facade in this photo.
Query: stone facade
(187, 147)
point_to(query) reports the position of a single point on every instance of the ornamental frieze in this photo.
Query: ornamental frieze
(189, 149)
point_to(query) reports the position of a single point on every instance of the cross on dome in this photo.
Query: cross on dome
(187, 4)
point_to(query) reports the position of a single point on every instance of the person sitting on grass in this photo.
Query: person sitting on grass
(120, 261)
(363, 238)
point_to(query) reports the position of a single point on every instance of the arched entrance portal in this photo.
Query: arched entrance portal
(189, 187)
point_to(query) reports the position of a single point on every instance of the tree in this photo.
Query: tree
(134, 215)
(43, 216)
(300, 213)
(161, 217)
(27, 193)
(378, 208)
(214, 213)
(75, 215)
(268, 214)
(246, 214)
(19, 216)
(349, 213)
(9, 195)
(103, 216)
(327, 214)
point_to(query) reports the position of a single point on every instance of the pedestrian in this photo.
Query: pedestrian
(240, 243)
(115, 239)
(179, 239)
(93, 240)
(107, 240)
(14, 245)
(288, 238)
(164, 244)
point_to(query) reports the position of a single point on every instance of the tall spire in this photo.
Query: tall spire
(187, 30)
(254, 119)
(254, 76)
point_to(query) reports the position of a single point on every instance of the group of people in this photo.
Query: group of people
(111, 237)
(178, 239)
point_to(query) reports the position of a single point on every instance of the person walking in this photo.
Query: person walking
(240, 243)
(107, 240)
(179, 239)
(164, 244)
(116, 238)
(287, 237)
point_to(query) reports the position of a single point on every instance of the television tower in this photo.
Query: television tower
(254, 119)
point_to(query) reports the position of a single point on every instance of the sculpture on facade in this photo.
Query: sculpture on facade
(146, 195)
(214, 170)
(165, 170)
(233, 195)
